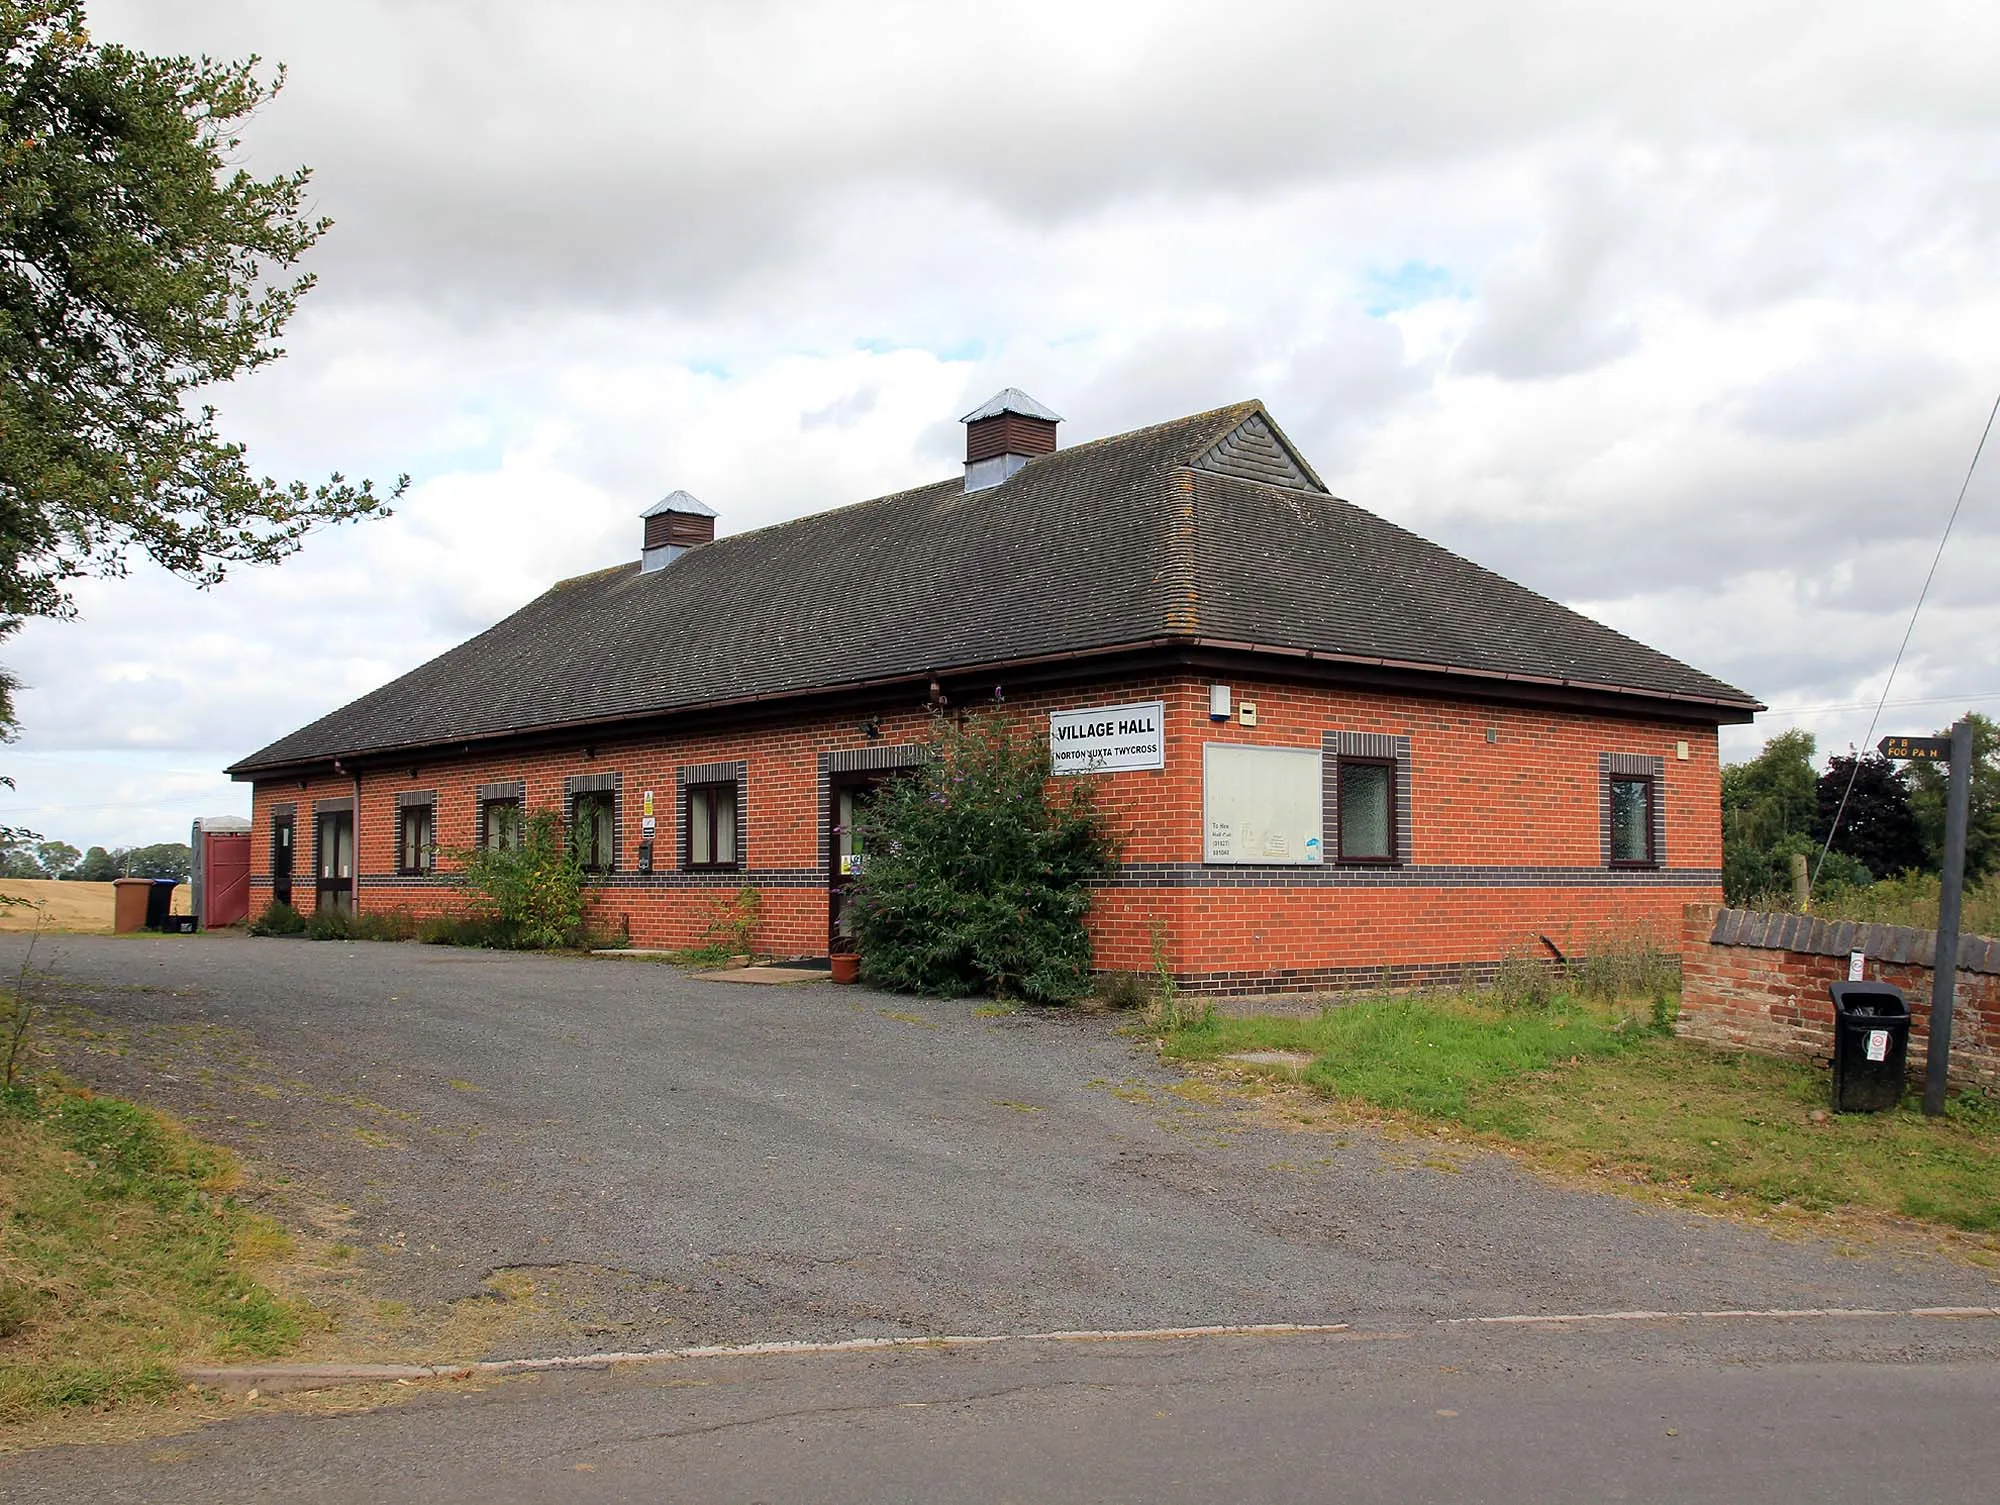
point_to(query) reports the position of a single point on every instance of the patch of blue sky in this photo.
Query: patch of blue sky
(1389, 291)
(971, 348)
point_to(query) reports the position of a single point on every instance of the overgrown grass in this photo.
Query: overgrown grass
(1588, 1086)
(1913, 900)
(124, 1254)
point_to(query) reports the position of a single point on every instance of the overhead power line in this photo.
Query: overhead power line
(1863, 705)
(1929, 575)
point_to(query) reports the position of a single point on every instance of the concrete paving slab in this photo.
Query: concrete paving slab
(770, 976)
(1294, 1061)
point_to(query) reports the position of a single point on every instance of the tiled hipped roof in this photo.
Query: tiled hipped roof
(1207, 528)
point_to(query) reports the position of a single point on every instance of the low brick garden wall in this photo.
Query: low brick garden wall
(1759, 982)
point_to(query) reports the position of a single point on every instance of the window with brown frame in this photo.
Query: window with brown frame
(594, 823)
(500, 825)
(416, 841)
(1632, 797)
(1366, 810)
(711, 825)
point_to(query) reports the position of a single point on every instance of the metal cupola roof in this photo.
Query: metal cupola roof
(683, 502)
(1011, 400)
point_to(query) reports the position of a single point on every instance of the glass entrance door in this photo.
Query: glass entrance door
(336, 860)
(847, 851)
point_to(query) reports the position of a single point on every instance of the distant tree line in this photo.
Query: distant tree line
(24, 856)
(1781, 803)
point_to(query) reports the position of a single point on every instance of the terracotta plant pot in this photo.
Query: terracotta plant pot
(846, 966)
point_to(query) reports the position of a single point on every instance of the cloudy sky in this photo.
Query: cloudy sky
(1684, 315)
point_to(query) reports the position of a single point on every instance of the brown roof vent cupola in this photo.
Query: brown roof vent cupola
(675, 523)
(1004, 433)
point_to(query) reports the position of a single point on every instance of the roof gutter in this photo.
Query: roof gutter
(1047, 666)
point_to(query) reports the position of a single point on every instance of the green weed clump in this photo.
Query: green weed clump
(533, 887)
(329, 923)
(470, 929)
(278, 918)
(124, 1255)
(731, 931)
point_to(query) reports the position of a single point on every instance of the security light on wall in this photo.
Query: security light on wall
(1218, 702)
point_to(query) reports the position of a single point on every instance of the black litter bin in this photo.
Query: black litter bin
(159, 900)
(1871, 1037)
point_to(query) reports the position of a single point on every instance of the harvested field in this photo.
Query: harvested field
(65, 906)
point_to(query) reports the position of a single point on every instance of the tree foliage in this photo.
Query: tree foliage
(979, 871)
(1927, 799)
(137, 267)
(1775, 805)
(1878, 827)
(1768, 808)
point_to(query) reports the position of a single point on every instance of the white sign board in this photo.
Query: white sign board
(1108, 738)
(1260, 804)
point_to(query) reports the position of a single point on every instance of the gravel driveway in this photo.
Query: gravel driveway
(715, 1162)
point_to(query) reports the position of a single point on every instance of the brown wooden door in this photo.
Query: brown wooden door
(336, 860)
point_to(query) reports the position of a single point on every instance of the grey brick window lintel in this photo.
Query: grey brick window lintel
(1378, 746)
(880, 757)
(598, 783)
(409, 798)
(692, 774)
(1632, 765)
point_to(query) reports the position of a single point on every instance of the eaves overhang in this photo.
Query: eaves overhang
(957, 681)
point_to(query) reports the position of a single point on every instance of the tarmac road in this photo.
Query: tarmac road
(708, 1163)
(1509, 1417)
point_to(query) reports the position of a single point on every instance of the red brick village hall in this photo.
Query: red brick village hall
(1333, 749)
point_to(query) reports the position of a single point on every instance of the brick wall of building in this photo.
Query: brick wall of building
(1760, 982)
(1504, 837)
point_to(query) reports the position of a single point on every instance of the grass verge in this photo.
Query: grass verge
(1583, 1087)
(122, 1255)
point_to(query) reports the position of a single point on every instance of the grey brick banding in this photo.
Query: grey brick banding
(1330, 875)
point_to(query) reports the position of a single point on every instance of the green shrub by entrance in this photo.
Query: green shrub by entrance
(979, 871)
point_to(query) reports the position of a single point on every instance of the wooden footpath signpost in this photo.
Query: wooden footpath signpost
(1957, 749)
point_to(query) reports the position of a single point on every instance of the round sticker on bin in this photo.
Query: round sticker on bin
(1878, 1045)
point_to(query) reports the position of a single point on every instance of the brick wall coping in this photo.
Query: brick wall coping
(1887, 943)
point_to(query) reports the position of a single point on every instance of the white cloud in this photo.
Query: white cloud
(1684, 317)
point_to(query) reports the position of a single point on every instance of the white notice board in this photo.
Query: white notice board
(1260, 804)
